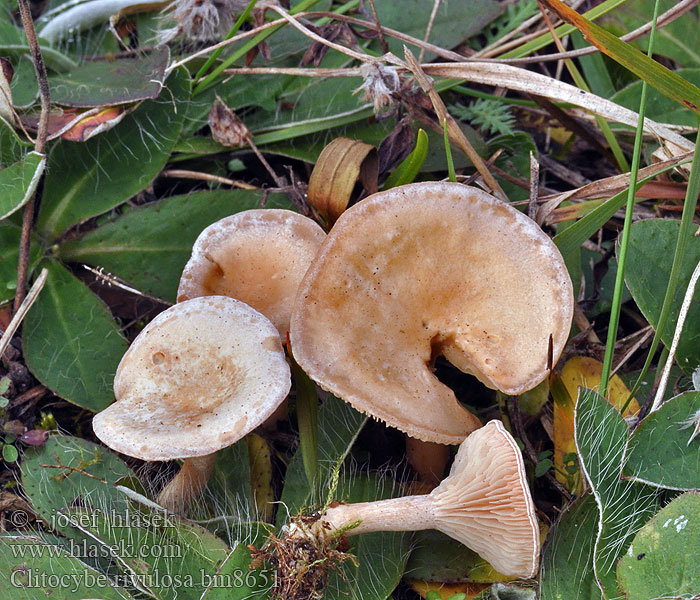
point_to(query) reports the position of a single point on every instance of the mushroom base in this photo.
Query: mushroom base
(188, 484)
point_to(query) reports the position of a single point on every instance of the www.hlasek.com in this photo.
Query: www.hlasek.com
(88, 579)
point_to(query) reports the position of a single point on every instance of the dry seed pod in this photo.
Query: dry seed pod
(422, 270)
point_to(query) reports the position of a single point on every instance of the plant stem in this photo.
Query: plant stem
(39, 146)
(624, 244)
(188, 484)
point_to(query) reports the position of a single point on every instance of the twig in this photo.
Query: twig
(186, 174)
(39, 146)
(378, 28)
(74, 470)
(534, 185)
(685, 307)
(22, 311)
(429, 28)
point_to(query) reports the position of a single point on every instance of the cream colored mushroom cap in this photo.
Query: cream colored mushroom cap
(485, 502)
(257, 256)
(427, 269)
(198, 378)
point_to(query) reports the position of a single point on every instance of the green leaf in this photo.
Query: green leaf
(567, 558)
(112, 82)
(24, 86)
(410, 166)
(453, 24)
(69, 471)
(89, 178)
(18, 182)
(338, 426)
(601, 436)
(652, 245)
(307, 419)
(671, 39)
(437, 557)
(71, 343)
(9, 453)
(662, 561)
(9, 255)
(170, 557)
(4, 385)
(149, 246)
(31, 569)
(659, 107)
(658, 452)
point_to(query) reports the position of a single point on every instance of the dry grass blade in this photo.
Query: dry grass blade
(21, 312)
(455, 133)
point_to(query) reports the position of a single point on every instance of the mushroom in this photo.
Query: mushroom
(198, 378)
(484, 503)
(257, 256)
(422, 270)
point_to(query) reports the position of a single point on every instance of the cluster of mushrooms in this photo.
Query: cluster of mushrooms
(404, 276)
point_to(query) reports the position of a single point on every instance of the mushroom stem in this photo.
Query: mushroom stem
(484, 503)
(428, 459)
(188, 484)
(410, 513)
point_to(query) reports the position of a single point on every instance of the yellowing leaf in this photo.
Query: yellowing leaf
(446, 589)
(579, 371)
(261, 475)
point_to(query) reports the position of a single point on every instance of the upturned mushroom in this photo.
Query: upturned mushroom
(256, 256)
(198, 378)
(423, 270)
(484, 503)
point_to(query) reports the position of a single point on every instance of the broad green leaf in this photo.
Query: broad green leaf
(452, 25)
(338, 426)
(662, 561)
(659, 107)
(594, 304)
(149, 246)
(108, 83)
(24, 86)
(9, 255)
(601, 436)
(90, 178)
(658, 452)
(655, 74)
(169, 557)
(68, 471)
(71, 343)
(31, 569)
(381, 556)
(651, 248)
(437, 557)
(18, 182)
(670, 41)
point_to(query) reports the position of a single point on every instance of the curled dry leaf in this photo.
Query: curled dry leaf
(339, 166)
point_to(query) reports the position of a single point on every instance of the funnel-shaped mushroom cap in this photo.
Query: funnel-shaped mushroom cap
(427, 269)
(485, 502)
(198, 378)
(257, 256)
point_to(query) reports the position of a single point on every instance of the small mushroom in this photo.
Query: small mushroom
(484, 503)
(198, 378)
(422, 270)
(256, 256)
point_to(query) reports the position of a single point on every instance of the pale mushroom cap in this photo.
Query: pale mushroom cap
(199, 377)
(427, 269)
(485, 502)
(257, 256)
